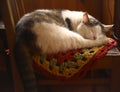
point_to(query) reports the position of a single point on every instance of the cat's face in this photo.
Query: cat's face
(91, 28)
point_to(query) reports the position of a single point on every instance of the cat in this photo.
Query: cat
(52, 31)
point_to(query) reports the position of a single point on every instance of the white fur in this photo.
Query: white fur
(75, 16)
(52, 38)
(55, 38)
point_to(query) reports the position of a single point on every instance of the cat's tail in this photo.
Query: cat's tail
(25, 69)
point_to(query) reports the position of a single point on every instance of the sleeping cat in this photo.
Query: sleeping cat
(52, 31)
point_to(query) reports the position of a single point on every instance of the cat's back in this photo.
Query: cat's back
(39, 16)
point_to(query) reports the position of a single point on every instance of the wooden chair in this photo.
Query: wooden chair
(12, 10)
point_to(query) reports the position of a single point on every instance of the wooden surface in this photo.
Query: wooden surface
(12, 10)
(7, 15)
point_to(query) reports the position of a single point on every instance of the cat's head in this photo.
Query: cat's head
(91, 28)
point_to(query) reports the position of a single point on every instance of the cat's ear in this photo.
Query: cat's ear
(85, 18)
(107, 27)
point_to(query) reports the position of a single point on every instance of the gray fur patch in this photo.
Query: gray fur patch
(69, 24)
(92, 22)
(53, 16)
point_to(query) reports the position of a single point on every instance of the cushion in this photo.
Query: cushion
(72, 64)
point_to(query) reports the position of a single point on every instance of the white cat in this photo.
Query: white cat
(52, 36)
(52, 31)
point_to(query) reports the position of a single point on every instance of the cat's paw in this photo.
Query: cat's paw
(105, 40)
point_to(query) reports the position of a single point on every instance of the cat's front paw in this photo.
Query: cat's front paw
(105, 40)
